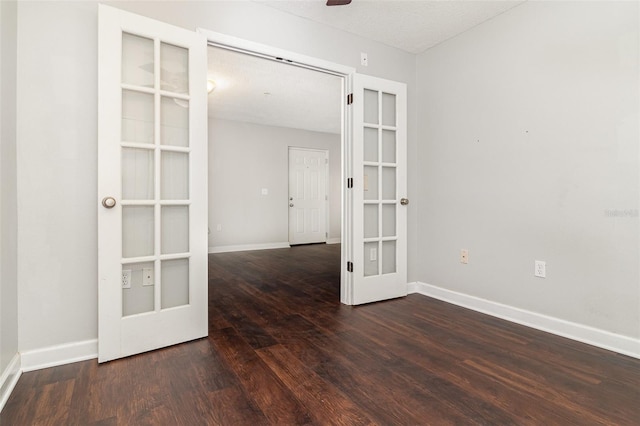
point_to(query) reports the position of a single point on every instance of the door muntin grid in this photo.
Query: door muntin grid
(380, 191)
(155, 157)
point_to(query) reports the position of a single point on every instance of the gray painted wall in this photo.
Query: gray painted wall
(8, 209)
(243, 159)
(57, 156)
(528, 150)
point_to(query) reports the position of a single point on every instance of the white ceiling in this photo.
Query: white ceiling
(310, 100)
(413, 26)
(298, 98)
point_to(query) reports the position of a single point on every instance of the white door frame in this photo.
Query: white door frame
(346, 73)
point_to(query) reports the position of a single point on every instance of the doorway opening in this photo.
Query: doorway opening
(260, 106)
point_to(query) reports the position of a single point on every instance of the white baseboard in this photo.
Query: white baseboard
(9, 378)
(58, 355)
(603, 339)
(334, 241)
(247, 247)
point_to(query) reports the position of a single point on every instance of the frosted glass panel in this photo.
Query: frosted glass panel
(370, 220)
(388, 183)
(370, 182)
(137, 117)
(174, 122)
(137, 174)
(370, 144)
(388, 109)
(139, 297)
(137, 60)
(175, 229)
(137, 231)
(388, 257)
(174, 68)
(388, 220)
(370, 259)
(175, 283)
(388, 146)
(370, 106)
(174, 176)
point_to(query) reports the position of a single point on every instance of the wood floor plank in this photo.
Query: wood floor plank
(259, 382)
(282, 350)
(325, 402)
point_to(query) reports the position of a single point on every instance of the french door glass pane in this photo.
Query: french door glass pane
(388, 220)
(388, 257)
(137, 117)
(370, 106)
(140, 297)
(174, 176)
(370, 220)
(370, 182)
(137, 60)
(174, 68)
(137, 231)
(388, 146)
(175, 229)
(388, 109)
(370, 144)
(370, 259)
(388, 183)
(175, 283)
(174, 122)
(137, 174)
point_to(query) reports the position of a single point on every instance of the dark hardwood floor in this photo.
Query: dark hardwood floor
(283, 351)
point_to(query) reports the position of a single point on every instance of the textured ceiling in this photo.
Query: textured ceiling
(298, 98)
(304, 99)
(413, 26)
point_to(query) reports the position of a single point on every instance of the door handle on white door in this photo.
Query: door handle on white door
(290, 204)
(404, 201)
(108, 202)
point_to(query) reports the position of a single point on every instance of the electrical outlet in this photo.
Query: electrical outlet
(373, 254)
(126, 278)
(147, 276)
(464, 256)
(540, 269)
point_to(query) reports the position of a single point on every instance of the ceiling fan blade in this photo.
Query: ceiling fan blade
(338, 2)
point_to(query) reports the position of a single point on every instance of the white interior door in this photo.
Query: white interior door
(307, 196)
(152, 181)
(379, 167)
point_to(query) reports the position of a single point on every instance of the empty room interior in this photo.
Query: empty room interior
(376, 212)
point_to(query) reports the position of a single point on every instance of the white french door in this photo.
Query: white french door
(379, 169)
(152, 184)
(307, 195)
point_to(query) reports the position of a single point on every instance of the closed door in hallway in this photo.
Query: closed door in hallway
(307, 196)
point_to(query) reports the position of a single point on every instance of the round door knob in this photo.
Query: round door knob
(404, 201)
(108, 202)
(291, 205)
